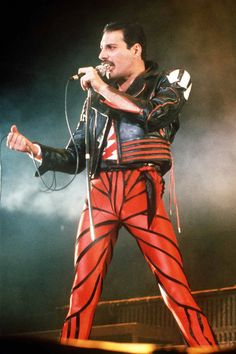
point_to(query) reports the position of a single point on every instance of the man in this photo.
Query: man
(134, 115)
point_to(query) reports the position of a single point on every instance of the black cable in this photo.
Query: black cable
(51, 188)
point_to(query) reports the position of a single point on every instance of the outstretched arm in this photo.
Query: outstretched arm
(51, 159)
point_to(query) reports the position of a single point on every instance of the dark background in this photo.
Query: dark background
(43, 44)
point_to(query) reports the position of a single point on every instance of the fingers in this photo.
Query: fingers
(86, 78)
(84, 84)
(14, 129)
(90, 77)
(16, 141)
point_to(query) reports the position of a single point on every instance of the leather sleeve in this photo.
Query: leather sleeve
(69, 160)
(168, 99)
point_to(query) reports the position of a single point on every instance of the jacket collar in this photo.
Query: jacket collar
(140, 82)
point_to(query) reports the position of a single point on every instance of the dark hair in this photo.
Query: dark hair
(133, 33)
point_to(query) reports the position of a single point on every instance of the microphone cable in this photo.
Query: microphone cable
(53, 187)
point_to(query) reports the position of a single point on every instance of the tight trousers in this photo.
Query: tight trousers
(119, 198)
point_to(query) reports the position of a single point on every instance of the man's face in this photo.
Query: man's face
(114, 51)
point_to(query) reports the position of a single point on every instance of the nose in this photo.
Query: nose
(102, 55)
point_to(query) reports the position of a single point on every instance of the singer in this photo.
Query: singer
(134, 117)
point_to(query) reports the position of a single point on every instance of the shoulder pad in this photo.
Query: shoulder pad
(182, 78)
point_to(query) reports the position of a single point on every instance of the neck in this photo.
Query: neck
(125, 83)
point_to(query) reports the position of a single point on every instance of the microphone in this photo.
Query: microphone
(101, 70)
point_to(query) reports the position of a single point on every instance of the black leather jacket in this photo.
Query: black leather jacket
(141, 138)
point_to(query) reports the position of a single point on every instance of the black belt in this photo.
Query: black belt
(111, 165)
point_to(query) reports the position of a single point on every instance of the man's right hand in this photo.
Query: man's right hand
(18, 142)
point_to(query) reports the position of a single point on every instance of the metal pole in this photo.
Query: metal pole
(87, 158)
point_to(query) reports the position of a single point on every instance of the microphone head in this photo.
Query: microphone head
(101, 69)
(76, 77)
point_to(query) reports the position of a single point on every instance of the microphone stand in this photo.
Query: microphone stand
(87, 158)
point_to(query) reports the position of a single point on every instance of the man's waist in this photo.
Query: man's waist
(113, 165)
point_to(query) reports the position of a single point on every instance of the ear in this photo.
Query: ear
(137, 49)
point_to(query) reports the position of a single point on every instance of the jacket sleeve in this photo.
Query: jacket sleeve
(70, 159)
(167, 100)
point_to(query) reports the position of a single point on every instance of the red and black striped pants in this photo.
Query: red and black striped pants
(119, 198)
